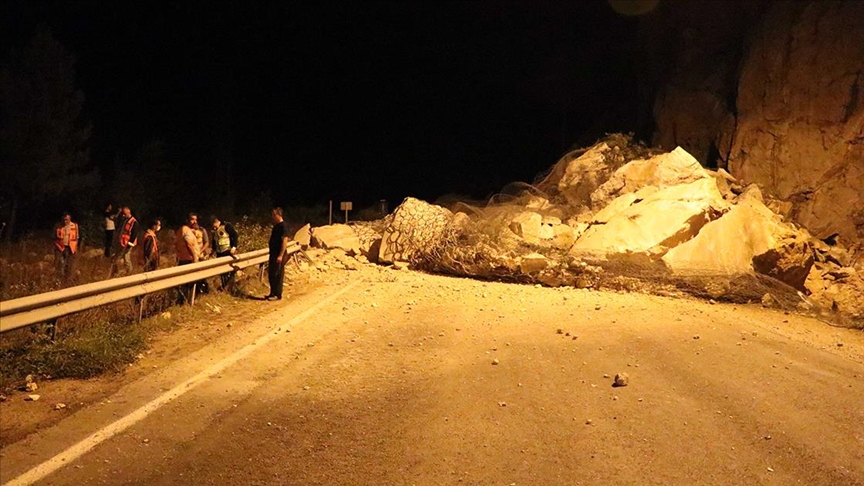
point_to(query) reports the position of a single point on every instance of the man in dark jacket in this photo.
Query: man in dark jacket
(151, 246)
(278, 246)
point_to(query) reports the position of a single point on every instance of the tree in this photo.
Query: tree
(43, 134)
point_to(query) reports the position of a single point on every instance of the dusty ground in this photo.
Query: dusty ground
(407, 378)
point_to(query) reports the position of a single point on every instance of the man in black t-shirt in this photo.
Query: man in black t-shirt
(278, 246)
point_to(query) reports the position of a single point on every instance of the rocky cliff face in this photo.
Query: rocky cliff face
(773, 91)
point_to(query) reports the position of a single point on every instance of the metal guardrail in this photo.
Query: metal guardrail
(48, 306)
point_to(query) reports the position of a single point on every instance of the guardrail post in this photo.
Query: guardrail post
(194, 288)
(52, 329)
(141, 307)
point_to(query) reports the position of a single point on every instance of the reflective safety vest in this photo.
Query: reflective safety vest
(126, 235)
(223, 241)
(73, 238)
(155, 251)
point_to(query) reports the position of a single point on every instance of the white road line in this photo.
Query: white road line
(81, 448)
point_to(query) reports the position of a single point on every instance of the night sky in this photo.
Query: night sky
(358, 100)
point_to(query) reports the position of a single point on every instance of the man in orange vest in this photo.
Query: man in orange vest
(126, 241)
(65, 247)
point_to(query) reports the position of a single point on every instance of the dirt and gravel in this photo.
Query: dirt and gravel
(410, 378)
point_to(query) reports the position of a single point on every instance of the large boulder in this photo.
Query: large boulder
(533, 263)
(336, 236)
(836, 288)
(621, 203)
(416, 230)
(527, 225)
(370, 238)
(664, 170)
(563, 237)
(584, 174)
(750, 237)
(661, 221)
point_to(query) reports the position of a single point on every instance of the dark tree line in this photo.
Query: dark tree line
(43, 134)
(46, 165)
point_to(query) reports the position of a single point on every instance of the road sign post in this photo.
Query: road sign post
(346, 206)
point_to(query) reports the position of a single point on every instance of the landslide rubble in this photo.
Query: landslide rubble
(620, 216)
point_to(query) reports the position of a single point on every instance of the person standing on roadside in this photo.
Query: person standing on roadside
(65, 247)
(278, 246)
(126, 242)
(224, 244)
(186, 242)
(108, 225)
(204, 251)
(187, 251)
(151, 245)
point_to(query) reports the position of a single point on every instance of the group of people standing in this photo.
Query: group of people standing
(122, 234)
(193, 243)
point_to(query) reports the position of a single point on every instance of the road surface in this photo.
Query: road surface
(397, 377)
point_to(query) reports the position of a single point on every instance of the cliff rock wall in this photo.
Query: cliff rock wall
(773, 91)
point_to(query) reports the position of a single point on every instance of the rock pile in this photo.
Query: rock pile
(603, 215)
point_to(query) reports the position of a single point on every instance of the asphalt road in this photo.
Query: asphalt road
(395, 377)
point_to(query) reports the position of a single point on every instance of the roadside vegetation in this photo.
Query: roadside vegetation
(107, 338)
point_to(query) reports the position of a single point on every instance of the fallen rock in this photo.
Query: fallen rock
(563, 237)
(665, 170)
(461, 220)
(336, 236)
(661, 221)
(584, 174)
(839, 256)
(747, 238)
(844, 296)
(546, 234)
(538, 203)
(789, 262)
(527, 226)
(304, 236)
(842, 273)
(59, 406)
(370, 238)
(621, 203)
(416, 230)
(32, 398)
(550, 220)
(621, 379)
(532, 263)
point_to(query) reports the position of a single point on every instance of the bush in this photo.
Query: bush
(88, 351)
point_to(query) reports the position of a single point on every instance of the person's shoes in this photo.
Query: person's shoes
(273, 297)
